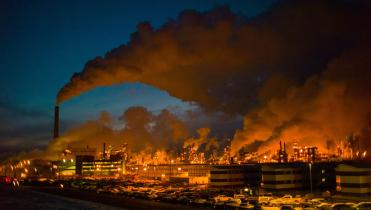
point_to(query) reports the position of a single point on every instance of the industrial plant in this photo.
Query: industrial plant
(306, 169)
(259, 105)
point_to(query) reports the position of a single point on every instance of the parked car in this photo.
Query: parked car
(363, 206)
(264, 199)
(240, 196)
(221, 198)
(317, 201)
(323, 206)
(342, 206)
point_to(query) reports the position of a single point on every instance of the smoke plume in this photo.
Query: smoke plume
(142, 130)
(298, 72)
(203, 139)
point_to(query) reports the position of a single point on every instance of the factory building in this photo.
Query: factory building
(102, 168)
(283, 176)
(235, 176)
(65, 168)
(79, 163)
(307, 154)
(323, 176)
(354, 178)
(70, 164)
(311, 177)
(193, 173)
(216, 176)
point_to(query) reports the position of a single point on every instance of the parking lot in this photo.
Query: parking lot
(200, 196)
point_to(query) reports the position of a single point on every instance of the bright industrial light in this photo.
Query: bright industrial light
(64, 160)
(179, 169)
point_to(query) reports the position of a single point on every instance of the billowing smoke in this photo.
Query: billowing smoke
(92, 133)
(299, 71)
(141, 130)
(203, 139)
(332, 106)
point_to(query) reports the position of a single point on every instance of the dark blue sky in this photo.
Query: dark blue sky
(42, 43)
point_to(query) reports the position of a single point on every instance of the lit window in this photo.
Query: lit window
(323, 171)
(323, 179)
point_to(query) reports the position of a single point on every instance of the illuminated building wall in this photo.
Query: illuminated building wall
(66, 168)
(102, 168)
(235, 176)
(165, 171)
(79, 160)
(283, 176)
(354, 179)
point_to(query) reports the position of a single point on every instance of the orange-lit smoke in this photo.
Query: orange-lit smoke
(328, 108)
(202, 139)
(298, 72)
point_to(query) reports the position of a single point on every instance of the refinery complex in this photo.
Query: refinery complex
(306, 168)
(259, 105)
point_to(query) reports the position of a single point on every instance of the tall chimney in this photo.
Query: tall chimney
(56, 122)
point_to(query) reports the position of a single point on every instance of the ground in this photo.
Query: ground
(25, 198)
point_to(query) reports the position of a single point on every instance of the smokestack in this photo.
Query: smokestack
(56, 122)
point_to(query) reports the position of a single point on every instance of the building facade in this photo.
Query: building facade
(235, 176)
(354, 179)
(103, 168)
(283, 176)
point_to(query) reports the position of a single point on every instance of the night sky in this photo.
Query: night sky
(42, 43)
